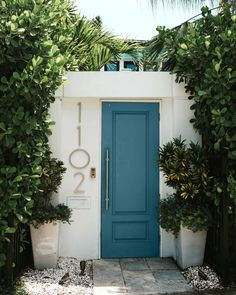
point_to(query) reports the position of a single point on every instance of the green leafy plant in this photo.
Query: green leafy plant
(51, 213)
(175, 212)
(169, 218)
(34, 52)
(203, 55)
(43, 211)
(185, 170)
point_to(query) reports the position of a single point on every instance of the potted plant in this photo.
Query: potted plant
(44, 227)
(185, 213)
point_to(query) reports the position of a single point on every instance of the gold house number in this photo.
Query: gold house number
(78, 154)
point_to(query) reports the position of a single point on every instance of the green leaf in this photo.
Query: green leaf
(207, 44)
(16, 195)
(2, 126)
(219, 190)
(215, 112)
(35, 176)
(16, 75)
(217, 67)
(184, 46)
(4, 80)
(21, 30)
(233, 17)
(37, 61)
(13, 26)
(217, 145)
(10, 230)
(18, 178)
(202, 92)
(60, 60)
(20, 217)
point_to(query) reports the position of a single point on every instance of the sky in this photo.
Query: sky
(134, 18)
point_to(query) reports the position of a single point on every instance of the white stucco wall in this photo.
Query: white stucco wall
(78, 105)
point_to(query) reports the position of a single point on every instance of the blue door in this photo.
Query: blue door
(130, 179)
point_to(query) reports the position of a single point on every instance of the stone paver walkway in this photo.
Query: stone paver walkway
(139, 276)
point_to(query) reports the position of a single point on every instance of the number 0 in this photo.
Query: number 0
(77, 151)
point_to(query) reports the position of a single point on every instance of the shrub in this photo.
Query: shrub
(185, 169)
(43, 211)
(203, 55)
(34, 50)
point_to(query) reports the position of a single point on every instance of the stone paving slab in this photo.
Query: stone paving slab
(134, 264)
(140, 281)
(107, 277)
(168, 275)
(139, 276)
(161, 263)
(174, 286)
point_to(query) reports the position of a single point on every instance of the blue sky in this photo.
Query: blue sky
(133, 18)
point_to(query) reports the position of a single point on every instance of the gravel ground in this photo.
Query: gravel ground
(202, 278)
(65, 279)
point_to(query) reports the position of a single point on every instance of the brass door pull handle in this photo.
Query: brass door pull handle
(107, 180)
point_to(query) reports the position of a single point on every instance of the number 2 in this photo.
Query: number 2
(77, 189)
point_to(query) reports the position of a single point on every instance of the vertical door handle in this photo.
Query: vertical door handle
(107, 180)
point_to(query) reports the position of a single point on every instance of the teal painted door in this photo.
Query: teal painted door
(130, 180)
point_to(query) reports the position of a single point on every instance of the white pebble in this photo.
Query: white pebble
(192, 276)
(38, 282)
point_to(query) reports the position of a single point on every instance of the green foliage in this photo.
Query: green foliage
(185, 170)
(175, 211)
(231, 187)
(51, 178)
(203, 55)
(43, 211)
(169, 218)
(93, 46)
(51, 213)
(34, 51)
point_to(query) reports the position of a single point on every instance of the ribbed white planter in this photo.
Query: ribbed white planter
(45, 245)
(190, 247)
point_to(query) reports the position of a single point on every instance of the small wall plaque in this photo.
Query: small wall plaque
(79, 203)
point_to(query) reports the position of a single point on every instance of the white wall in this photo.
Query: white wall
(82, 238)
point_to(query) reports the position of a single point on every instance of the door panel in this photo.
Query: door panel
(130, 134)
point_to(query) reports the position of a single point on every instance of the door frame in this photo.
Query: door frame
(130, 100)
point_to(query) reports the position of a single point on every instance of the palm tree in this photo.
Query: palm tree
(93, 46)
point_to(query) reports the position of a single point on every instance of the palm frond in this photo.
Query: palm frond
(182, 3)
(94, 46)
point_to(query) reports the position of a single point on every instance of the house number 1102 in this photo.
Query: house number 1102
(78, 154)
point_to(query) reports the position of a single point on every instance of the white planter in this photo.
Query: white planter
(190, 247)
(45, 245)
